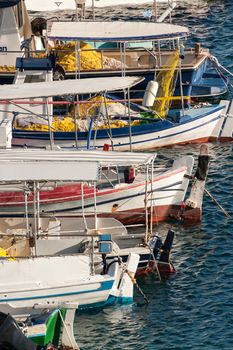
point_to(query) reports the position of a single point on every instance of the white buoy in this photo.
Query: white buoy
(150, 93)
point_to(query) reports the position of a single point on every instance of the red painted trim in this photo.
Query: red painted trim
(199, 140)
(226, 139)
(191, 215)
(160, 213)
(164, 269)
(73, 192)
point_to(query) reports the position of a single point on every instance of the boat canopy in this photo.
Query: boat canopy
(47, 170)
(8, 3)
(66, 87)
(116, 31)
(103, 158)
(59, 165)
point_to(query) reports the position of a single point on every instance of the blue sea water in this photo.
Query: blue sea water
(192, 309)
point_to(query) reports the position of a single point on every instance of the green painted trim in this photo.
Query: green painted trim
(54, 326)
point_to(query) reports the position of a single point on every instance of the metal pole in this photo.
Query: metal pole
(151, 200)
(180, 78)
(146, 201)
(76, 8)
(35, 216)
(75, 123)
(95, 207)
(108, 119)
(124, 57)
(49, 125)
(92, 237)
(122, 63)
(155, 10)
(38, 208)
(130, 128)
(26, 206)
(83, 209)
(170, 14)
(93, 9)
(79, 59)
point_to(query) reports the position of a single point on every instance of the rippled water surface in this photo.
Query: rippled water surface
(194, 308)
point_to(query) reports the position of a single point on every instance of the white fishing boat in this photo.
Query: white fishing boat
(135, 48)
(146, 57)
(41, 279)
(60, 227)
(137, 133)
(129, 185)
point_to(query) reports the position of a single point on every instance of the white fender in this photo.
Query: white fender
(150, 93)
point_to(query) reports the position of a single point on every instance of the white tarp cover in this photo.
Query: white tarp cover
(45, 170)
(66, 87)
(101, 157)
(115, 31)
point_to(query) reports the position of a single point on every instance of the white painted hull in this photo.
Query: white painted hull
(200, 129)
(54, 280)
(169, 189)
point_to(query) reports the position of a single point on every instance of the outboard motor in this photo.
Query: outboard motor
(11, 336)
(156, 244)
(166, 247)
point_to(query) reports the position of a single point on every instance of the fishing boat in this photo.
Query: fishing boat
(39, 330)
(128, 187)
(40, 276)
(127, 130)
(55, 233)
(146, 57)
(136, 48)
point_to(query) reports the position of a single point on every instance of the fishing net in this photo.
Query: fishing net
(166, 79)
(90, 59)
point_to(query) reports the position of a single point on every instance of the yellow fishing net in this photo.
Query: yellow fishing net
(103, 119)
(4, 253)
(58, 124)
(167, 81)
(90, 59)
(6, 68)
(89, 108)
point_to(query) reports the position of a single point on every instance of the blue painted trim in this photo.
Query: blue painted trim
(89, 133)
(124, 38)
(110, 301)
(175, 134)
(122, 132)
(105, 285)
